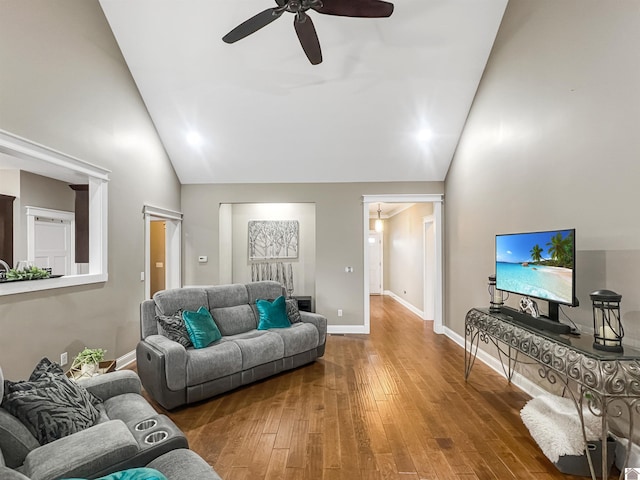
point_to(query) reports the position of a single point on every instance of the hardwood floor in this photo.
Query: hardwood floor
(390, 405)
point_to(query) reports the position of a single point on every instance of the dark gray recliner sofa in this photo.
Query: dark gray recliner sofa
(174, 375)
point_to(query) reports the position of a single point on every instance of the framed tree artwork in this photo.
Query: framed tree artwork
(273, 239)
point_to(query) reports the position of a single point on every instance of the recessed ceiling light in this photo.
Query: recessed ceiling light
(194, 139)
(424, 135)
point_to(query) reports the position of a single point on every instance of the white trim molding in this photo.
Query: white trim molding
(126, 359)
(492, 362)
(173, 246)
(437, 200)
(404, 303)
(24, 154)
(347, 329)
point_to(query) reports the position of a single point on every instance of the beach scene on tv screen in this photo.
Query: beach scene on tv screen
(536, 264)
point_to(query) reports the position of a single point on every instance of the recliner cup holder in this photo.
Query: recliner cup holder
(145, 424)
(156, 437)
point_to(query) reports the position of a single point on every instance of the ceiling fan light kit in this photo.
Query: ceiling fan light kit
(302, 22)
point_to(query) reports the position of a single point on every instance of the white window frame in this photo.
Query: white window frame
(45, 161)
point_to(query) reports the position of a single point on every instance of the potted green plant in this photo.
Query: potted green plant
(87, 362)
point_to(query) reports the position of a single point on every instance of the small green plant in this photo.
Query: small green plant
(29, 273)
(88, 356)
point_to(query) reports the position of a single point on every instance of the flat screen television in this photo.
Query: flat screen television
(540, 265)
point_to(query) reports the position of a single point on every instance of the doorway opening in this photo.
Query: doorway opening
(428, 277)
(163, 265)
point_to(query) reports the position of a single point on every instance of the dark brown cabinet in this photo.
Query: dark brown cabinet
(82, 222)
(6, 228)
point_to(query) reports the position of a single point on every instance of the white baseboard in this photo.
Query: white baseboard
(404, 303)
(125, 359)
(347, 329)
(492, 362)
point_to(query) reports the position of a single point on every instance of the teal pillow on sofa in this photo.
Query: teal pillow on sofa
(272, 314)
(132, 474)
(201, 327)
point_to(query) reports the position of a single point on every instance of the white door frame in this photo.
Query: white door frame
(429, 268)
(380, 237)
(438, 201)
(67, 217)
(173, 246)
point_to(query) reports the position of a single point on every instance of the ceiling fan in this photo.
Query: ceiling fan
(302, 22)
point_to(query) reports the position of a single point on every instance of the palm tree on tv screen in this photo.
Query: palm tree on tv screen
(536, 253)
(561, 250)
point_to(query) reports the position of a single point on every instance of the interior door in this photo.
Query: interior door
(158, 256)
(53, 245)
(375, 263)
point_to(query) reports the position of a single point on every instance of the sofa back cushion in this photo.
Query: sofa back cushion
(267, 290)
(220, 296)
(234, 320)
(170, 301)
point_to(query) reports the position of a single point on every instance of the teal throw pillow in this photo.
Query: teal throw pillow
(132, 474)
(201, 327)
(272, 314)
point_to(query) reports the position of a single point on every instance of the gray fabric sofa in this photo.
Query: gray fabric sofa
(119, 440)
(174, 375)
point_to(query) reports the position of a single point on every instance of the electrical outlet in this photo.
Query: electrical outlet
(64, 359)
(339, 312)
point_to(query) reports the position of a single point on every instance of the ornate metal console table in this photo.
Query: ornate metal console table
(608, 384)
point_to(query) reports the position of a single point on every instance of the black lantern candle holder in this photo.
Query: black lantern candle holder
(495, 295)
(607, 327)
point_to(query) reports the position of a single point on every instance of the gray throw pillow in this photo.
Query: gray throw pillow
(174, 328)
(292, 311)
(49, 404)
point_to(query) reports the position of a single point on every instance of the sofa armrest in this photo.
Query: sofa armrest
(183, 463)
(82, 453)
(175, 359)
(8, 474)
(320, 321)
(112, 384)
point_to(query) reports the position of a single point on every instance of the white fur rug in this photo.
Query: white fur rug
(555, 425)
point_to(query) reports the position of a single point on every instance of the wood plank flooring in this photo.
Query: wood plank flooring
(389, 405)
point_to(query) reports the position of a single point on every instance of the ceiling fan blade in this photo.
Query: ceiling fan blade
(254, 24)
(308, 37)
(356, 8)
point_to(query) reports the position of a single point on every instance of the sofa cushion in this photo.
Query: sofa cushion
(215, 361)
(301, 337)
(83, 454)
(262, 347)
(272, 314)
(49, 404)
(142, 473)
(169, 302)
(265, 289)
(174, 328)
(181, 463)
(234, 320)
(201, 327)
(220, 296)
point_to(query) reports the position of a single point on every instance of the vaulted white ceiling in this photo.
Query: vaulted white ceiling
(388, 103)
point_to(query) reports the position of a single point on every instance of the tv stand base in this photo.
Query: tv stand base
(540, 323)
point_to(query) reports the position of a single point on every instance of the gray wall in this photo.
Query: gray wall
(65, 85)
(552, 142)
(38, 191)
(303, 267)
(339, 234)
(404, 254)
